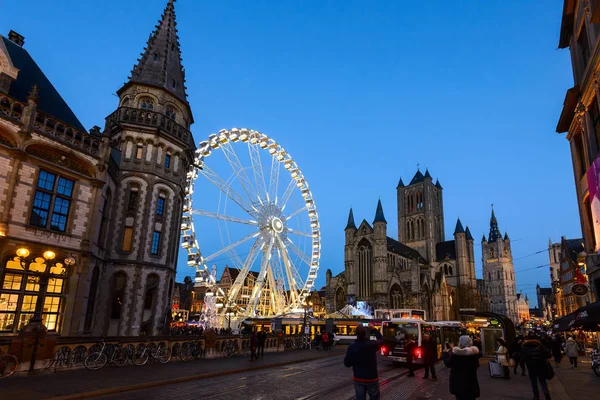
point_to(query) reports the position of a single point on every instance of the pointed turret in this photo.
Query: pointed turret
(459, 227)
(526, 297)
(379, 213)
(494, 230)
(417, 178)
(468, 234)
(350, 224)
(400, 184)
(437, 184)
(160, 64)
(506, 236)
(427, 175)
(483, 239)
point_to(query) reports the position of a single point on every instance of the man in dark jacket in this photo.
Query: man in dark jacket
(535, 355)
(362, 357)
(430, 356)
(261, 340)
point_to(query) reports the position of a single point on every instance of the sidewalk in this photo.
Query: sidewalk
(580, 383)
(83, 381)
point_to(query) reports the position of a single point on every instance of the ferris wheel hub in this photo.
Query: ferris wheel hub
(277, 225)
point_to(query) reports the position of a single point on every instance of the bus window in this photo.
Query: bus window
(408, 329)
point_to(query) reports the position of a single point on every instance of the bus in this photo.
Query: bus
(398, 330)
(387, 314)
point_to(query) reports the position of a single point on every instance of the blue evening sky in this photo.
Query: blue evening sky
(358, 92)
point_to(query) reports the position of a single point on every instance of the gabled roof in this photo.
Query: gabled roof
(49, 101)
(365, 224)
(379, 213)
(445, 250)
(402, 249)
(160, 64)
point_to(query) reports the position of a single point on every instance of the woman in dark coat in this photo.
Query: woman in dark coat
(463, 363)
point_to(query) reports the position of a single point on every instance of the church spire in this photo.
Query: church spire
(494, 230)
(350, 224)
(160, 64)
(379, 213)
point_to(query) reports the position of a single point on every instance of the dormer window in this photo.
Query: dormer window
(146, 103)
(171, 113)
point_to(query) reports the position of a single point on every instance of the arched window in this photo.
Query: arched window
(445, 269)
(365, 269)
(171, 114)
(396, 297)
(146, 103)
(125, 103)
(450, 270)
(89, 313)
(340, 299)
(151, 290)
(156, 57)
(491, 253)
(119, 285)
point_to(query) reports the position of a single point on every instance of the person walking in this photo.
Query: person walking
(502, 357)
(463, 363)
(535, 354)
(556, 349)
(253, 344)
(516, 355)
(261, 339)
(430, 356)
(362, 357)
(572, 351)
(325, 340)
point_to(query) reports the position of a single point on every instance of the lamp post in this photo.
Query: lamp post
(307, 304)
(41, 277)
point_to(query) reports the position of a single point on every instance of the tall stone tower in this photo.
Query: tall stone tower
(421, 214)
(352, 277)
(499, 273)
(380, 260)
(151, 147)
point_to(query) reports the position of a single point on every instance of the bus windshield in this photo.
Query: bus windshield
(410, 330)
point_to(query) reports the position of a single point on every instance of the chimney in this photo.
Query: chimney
(16, 38)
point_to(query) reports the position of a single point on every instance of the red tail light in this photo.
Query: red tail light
(417, 353)
(383, 350)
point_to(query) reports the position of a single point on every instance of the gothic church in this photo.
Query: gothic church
(420, 270)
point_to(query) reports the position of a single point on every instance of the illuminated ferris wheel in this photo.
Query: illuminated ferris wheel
(252, 210)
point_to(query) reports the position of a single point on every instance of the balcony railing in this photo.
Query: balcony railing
(151, 119)
(49, 126)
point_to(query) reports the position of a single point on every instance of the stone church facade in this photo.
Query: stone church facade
(420, 270)
(109, 198)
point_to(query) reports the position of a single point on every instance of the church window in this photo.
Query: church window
(155, 248)
(395, 297)
(146, 103)
(156, 56)
(365, 269)
(173, 84)
(133, 200)
(167, 161)
(160, 205)
(52, 202)
(171, 113)
(139, 152)
(127, 239)
(118, 294)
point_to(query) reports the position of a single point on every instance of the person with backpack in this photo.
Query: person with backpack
(536, 355)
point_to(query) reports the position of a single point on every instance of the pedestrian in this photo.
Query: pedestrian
(535, 355)
(410, 346)
(463, 363)
(555, 348)
(572, 351)
(502, 357)
(362, 357)
(253, 345)
(261, 339)
(430, 356)
(325, 340)
(516, 355)
(318, 340)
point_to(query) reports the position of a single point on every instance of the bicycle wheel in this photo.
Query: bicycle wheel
(8, 365)
(120, 358)
(95, 361)
(186, 354)
(163, 355)
(140, 357)
(228, 350)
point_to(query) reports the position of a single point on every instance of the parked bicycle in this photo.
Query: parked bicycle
(8, 365)
(108, 353)
(230, 348)
(191, 350)
(160, 352)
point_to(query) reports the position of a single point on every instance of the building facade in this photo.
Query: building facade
(420, 270)
(499, 272)
(111, 199)
(522, 308)
(580, 120)
(571, 263)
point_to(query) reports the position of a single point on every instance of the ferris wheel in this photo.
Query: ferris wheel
(254, 212)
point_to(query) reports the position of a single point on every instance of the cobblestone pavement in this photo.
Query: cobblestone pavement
(48, 385)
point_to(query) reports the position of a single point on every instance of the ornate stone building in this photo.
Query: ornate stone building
(110, 199)
(499, 272)
(522, 308)
(419, 270)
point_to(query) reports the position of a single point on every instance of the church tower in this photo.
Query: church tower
(151, 148)
(421, 214)
(499, 273)
(380, 260)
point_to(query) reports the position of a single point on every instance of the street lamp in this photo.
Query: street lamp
(41, 277)
(307, 304)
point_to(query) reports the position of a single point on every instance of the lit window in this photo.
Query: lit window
(127, 239)
(155, 242)
(52, 202)
(139, 152)
(160, 206)
(167, 160)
